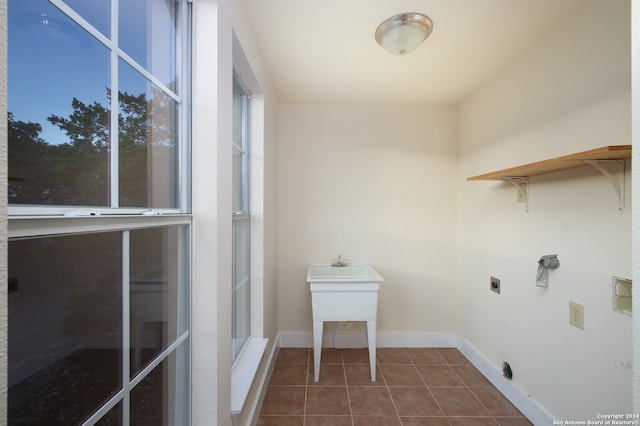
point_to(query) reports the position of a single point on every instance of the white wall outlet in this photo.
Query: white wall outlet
(576, 315)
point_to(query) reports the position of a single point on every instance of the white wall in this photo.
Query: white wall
(569, 93)
(377, 183)
(264, 196)
(211, 188)
(215, 21)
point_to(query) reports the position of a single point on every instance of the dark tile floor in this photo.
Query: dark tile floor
(414, 386)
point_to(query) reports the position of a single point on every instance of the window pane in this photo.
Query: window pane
(238, 190)
(148, 35)
(148, 132)
(155, 293)
(96, 12)
(240, 149)
(65, 327)
(241, 285)
(161, 397)
(58, 109)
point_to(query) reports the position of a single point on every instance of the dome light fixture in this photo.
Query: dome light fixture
(402, 34)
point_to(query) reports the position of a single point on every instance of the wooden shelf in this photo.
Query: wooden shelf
(571, 161)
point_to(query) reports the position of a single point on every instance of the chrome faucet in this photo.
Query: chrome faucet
(339, 262)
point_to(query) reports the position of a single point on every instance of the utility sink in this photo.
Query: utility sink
(344, 293)
(345, 274)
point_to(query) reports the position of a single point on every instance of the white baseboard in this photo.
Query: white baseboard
(417, 340)
(295, 339)
(533, 411)
(530, 408)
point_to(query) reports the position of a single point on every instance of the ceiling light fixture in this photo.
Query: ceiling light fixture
(402, 34)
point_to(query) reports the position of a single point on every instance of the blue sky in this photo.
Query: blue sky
(52, 59)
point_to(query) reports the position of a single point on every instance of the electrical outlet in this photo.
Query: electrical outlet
(494, 284)
(576, 315)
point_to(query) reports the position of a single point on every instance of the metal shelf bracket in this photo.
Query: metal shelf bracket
(616, 181)
(522, 185)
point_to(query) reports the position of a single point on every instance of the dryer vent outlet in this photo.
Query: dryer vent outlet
(506, 370)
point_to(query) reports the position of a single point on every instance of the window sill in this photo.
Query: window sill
(244, 372)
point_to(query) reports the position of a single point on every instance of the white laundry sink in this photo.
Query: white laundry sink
(344, 293)
(344, 274)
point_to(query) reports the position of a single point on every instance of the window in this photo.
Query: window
(92, 123)
(72, 352)
(241, 291)
(99, 221)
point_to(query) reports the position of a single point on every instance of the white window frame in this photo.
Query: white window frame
(246, 365)
(40, 221)
(183, 151)
(243, 147)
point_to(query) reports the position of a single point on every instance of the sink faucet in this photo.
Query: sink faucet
(339, 262)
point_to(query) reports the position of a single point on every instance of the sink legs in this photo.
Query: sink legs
(371, 340)
(317, 348)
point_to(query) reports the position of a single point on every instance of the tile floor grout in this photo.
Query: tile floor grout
(344, 372)
(428, 388)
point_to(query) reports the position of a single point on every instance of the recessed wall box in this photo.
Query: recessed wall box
(621, 291)
(494, 284)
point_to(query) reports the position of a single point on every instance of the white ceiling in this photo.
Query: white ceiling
(325, 51)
